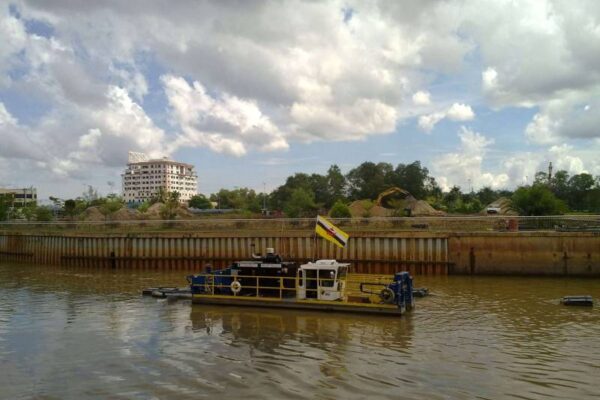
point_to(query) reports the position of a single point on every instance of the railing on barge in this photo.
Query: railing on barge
(259, 291)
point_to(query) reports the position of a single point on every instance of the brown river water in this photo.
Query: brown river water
(71, 333)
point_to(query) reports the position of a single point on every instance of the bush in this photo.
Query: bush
(200, 201)
(110, 206)
(340, 210)
(301, 204)
(537, 200)
(43, 214)
(169, 209)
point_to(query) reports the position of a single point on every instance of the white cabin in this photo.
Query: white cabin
(322, 280)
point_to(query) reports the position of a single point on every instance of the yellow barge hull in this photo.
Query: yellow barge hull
(315, 305)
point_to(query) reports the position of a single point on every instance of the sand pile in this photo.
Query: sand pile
(125, 214)
(366, 208)
(154, 211)
(418, 208)
(92, 214)
(183, 213)
(421, 208)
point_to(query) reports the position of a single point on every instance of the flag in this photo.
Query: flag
(331, 232)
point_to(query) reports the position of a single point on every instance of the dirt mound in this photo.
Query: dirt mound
(366, 208)
(421, 208)
(154, 211)
(92, 214)
(418, 208)
(183, 213)
(125, 214)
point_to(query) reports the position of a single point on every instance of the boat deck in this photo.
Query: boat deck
(312, 304)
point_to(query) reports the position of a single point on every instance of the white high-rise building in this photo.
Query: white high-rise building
(144, 177)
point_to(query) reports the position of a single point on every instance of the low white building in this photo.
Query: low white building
(144, 177)
(20, 197)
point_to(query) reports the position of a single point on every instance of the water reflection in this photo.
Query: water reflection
(269, 330)
(84, 333)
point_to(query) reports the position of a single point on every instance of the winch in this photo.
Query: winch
(399, 292)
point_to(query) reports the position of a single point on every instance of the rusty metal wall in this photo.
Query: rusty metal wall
(368, 253)
(525, 253)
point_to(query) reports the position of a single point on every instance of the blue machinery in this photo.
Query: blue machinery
(399, 292)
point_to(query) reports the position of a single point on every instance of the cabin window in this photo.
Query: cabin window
(326, 277)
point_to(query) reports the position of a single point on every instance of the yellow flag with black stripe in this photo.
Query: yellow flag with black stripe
(331, 232)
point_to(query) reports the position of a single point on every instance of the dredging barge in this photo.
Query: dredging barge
(322, 285)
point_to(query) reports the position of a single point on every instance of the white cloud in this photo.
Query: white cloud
(542, 129)
(570, 117)
(464, 168)
(14, 38)
(429, 121)
(263, 77)
(456, 112)
(90, 140)
(421, 98)
(460, 112)
(227, 124)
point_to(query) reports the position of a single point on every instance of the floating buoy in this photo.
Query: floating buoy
(585, 300)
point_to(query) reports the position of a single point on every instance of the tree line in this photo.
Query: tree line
(305, 195)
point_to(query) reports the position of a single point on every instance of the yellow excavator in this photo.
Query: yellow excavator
(383, 196)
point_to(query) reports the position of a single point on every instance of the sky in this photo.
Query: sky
(483, 93)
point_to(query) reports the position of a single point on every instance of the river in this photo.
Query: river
(72, 333)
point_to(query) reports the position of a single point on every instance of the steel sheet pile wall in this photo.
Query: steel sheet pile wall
(369, 253)
(525, 253)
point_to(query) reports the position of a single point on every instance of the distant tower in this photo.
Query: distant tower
(550, 172)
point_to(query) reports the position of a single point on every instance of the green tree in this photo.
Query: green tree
(537, 200)
(110, 206)
(486, 195)
(580, 194)
(368, 180)
(43, 214)
(414, 178)
(200, 201)
(541, 177)
(559, 184)
(336, 183)
(300, 204)
(283, 193)
(239, 199)
(170, 207)
(70, 208)
(340, 210)
(29, 211)
(6, 201)
(161, 196)
(144, 207)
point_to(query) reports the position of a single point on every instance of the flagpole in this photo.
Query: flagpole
(314, 258)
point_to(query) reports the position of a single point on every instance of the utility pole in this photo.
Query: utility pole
(264, 198)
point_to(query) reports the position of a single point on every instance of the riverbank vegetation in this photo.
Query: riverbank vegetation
(336, 194)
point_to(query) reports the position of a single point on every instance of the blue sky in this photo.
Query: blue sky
(481, 92)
